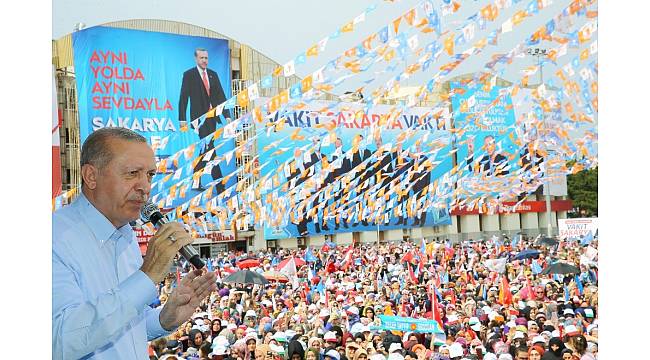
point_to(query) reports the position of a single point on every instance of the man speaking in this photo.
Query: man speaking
(101, 286)
(201, 86)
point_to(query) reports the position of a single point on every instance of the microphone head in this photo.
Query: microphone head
(147, 210)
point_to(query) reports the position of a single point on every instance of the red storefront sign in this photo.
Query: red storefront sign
(214, 237)
(508, 207)
(143, 239)
(220, 236)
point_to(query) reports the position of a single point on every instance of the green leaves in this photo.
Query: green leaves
(583, 190)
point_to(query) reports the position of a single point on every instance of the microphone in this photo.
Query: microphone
(150, 212)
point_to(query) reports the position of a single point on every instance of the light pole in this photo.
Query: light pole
(538, 52)
(377, 234)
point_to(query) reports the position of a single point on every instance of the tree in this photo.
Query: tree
(583, 190)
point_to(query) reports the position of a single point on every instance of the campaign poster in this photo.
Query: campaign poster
(154, 83)
(487, 152)
(330, 163)
(488, 125)
(577, 228)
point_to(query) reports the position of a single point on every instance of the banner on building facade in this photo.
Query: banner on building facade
(158, 85)
(325, 179)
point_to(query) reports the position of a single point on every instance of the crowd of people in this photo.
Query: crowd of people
(489, 303)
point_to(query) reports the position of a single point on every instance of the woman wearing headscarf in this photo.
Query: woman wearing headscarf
(369, 313)
(195, 340)
(312, 354)
(535, 352)
(261, 352)
(360, 354)
(251, 347)
(238, 350)
(295, 351)
(215, 329)
(580, 347)
(555, 347)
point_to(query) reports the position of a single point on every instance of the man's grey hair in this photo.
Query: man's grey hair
(196, 51)
(96, 150)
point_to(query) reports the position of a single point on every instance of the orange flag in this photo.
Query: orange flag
(449, 44)
(396, 24)
(409, 17)
(242, 99)
(312, 51)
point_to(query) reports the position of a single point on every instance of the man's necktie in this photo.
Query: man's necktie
(205, 82)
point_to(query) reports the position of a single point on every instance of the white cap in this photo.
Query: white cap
(280, 336)
(353, 310)
(519, 335)
(251, 313)
(340, 297)
(329, 336)
(333, 354)
(539, 338)
(591, 327)
(221, 340)
(455, 350)
(568, 311)
(279, 349)
(358, 299)
(395, 356)
(394, 347)
(219, 350)
(475, 323)
(324, 312)
(356, 328)
(289, 334)
(571, 330)
(452, 318)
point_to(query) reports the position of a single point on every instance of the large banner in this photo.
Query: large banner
(488, 119)
(577, 228)
(154, 83)
(486, 148)
(334, 168)
(406, 324)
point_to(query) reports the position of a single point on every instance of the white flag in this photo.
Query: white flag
(253, 92)
(289, 68)
(289, 268)
(496, 265)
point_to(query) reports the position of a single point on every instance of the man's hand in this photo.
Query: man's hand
(162, 249)
(187, 296)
